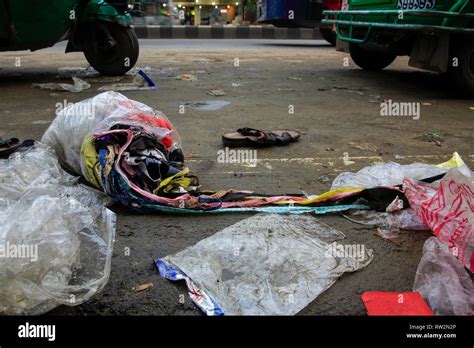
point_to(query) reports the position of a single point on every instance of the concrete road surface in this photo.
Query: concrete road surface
(303, 85)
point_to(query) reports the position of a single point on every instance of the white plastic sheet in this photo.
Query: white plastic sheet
(392, 174)
(55, 235)
(386, 174)
(264, 265)
(443, 282)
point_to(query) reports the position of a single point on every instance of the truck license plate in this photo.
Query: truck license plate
(416, 4)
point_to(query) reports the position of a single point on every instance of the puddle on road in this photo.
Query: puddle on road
(207, 105)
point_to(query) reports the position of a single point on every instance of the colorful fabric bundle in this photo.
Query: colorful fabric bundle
(133, 153)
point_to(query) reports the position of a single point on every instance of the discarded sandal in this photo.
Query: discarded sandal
(249, 137)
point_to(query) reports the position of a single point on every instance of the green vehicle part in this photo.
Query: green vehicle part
(33, 24)
(107, 11)
(101, 29)
(439, 38)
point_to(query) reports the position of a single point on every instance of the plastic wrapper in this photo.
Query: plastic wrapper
(392, 174)
(264, 265)
(55, 235)
(443, 282)
(446, 207)
(386, 174)
(73, 123)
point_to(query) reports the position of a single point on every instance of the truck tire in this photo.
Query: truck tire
(118, 59)
(461, 66)
(370, 60)
(329, 35)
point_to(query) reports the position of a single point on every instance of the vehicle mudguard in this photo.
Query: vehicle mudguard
(95, 10)
(103, 11)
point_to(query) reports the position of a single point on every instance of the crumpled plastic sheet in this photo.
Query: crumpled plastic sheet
(73, 123)
(55, 235)
(78, 86)
(264, 265)
(386, 174)
(443, 281)
(447, 207)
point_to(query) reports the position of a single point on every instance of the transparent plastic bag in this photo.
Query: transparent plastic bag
(74, 122)
(386, 174)
(443, 282)
(264, 265)
(55, 236)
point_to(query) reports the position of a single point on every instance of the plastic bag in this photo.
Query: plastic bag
(443, 282)
(447, 208)
(55, 236)
(264, 265)
(387, 174)
(392, 174)
(73, 123)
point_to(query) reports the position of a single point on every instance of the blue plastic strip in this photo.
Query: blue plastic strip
(148, 80)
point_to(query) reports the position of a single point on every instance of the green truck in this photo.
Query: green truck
(101, 29)
(438, 35)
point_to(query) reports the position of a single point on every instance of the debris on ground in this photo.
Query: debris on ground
(78, 86)
(324, 179)
(81, 72)
(142, 287)
(388, 225)
(148, 79)
(128, 141)
(364, 146)
(141, 82)
(443, 281)
(186, 77)
(433, 137)
(207, 105)
(216, 92)
(306, 258)
(59, 252)
(392, 174)
(381, 303)
(255, 138)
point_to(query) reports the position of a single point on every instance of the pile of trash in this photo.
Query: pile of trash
(438, 198)
(267, 264)
(133, 154)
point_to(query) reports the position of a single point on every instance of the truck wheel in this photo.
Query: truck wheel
(329, 35)
(461, 66)
(113, 58)
(370, 60)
